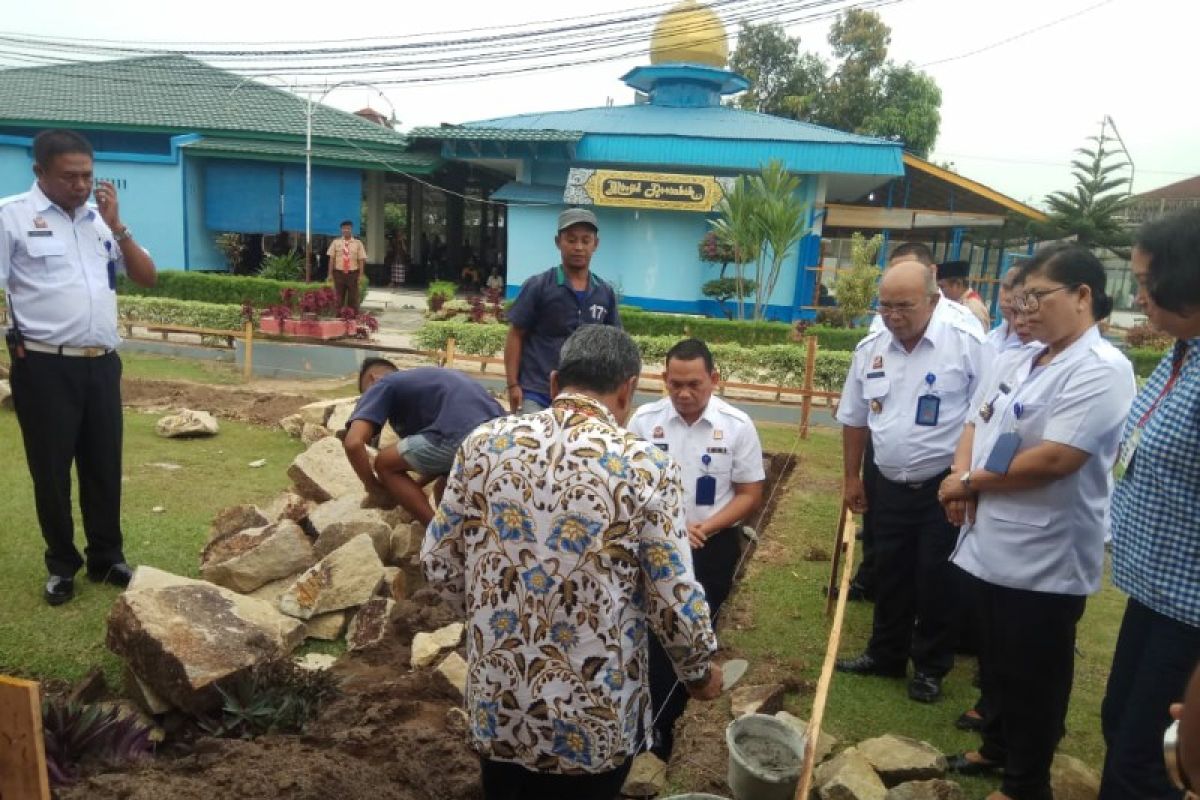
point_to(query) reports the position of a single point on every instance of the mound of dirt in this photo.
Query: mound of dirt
(228, 402)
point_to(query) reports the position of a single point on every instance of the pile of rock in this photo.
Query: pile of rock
(318, 563)
(316, 421)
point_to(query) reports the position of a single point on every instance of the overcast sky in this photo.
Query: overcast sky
(1010, 116)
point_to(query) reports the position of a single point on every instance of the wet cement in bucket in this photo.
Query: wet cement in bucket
(773, 758)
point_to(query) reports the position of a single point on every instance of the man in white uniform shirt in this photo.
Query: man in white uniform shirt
(908, 392)
(59, 259)
(719, 454)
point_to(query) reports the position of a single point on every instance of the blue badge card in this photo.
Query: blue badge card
(927, 409)
(706, 490)
(1003, 453)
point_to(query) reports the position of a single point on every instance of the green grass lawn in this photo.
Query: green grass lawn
(63, 643)
(781, 599)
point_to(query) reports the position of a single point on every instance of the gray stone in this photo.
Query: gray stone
(292, 425)
(345, 578)
(427, 646)
(316, 662)
(249, 559)
(342, 521)
(236, 519)
(452, 672)
(187, 424)
(311, 434)
(182, 636)
(647, 777)
(848, 776)
(1071, 779)
(339, 417)
(763, 699)
(899, 759)
(318, 413)
(370, 625)
(322, 472)
(826, 742)
(289, 505)
(327, 627)
(935, 789)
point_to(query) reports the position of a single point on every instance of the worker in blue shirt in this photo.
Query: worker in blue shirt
(550, 306)
(59, 258)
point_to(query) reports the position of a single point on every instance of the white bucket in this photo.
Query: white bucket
(765, 756)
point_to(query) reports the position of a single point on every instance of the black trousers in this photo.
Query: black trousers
(914, 585)
(504, 781)
(864, 578)
(1027, 666)
(715, 565)
(1154, 658)
(69, 410)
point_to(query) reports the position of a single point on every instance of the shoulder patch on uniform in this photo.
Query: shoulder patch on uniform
(13, 198)
(870, 337)
(962, 324)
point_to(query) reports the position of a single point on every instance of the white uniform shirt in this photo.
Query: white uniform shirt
(723, 433)
(945, 309)
(1001, 339)
(884, 385)
(56, 271)
(1049, 539)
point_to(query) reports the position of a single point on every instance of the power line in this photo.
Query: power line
(1015, 37)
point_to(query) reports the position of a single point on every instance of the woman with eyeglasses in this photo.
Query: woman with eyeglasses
(1030, 487)
(1156, 532)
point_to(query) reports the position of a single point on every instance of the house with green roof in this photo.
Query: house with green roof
(196, 151)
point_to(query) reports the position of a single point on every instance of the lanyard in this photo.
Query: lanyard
(1177, 361)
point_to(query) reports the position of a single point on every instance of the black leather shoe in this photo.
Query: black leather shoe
(963, 766)
(969, 722)
(59, 590)
(118, 574)
(924, 688)
(867, 665)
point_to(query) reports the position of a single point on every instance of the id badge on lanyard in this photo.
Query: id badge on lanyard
(928, 404)
(706, 485)
(1006, 446)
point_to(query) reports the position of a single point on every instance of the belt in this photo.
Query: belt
(917, 485)
(64, 350)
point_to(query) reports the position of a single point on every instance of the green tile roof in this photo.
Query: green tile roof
(357, 155)
(171, 93)
(454, 132)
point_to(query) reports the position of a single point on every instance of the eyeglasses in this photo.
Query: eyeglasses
(1032, 299)
(897, 308)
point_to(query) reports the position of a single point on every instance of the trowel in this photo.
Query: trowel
(732, 672)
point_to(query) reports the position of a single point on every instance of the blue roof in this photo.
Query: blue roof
(709, 138)
(713, 122)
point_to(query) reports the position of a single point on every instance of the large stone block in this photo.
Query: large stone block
(763, 699)
(249, 559)
(327, 627)
(370, 624)
(427, 646)
(647, 777)
(452, 672)
(311, 434)
(318, 413)
(322, 472)
(339, 417)
(345, 578)
(848, 776)
(1071, 779)
(289, 505)
(826, 742)
(293, 425)
(899, 759)
(936, 789)
(182, 636)
(337, 522)
(236, 519)
(187, 424)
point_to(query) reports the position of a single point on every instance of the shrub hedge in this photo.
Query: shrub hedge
(716, 331)
(168, 311)
(1144, 359)
(776, 364)
(209, 287)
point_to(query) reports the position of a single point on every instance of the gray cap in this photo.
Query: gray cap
(576, 216)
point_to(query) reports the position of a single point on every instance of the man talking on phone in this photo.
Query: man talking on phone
(59, 259)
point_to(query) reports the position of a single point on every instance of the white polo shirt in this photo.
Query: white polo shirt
(945, 308)
(1049, 539)
(885, 384)
(55, 269)
(726, 435)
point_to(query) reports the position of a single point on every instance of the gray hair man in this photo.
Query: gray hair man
(562, 539)
(908, 392)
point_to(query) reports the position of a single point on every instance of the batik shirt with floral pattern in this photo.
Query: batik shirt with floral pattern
(561, 537)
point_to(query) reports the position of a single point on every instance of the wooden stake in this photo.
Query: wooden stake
(248, 356)
(831, 651)
(810, 366)
(23, 752)
(450, 343)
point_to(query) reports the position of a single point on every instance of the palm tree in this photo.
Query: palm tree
(1091, 213)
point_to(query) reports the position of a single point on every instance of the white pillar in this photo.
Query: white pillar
(376, 235)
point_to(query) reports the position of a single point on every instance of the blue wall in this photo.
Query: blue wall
(201, 242)
(651, 257)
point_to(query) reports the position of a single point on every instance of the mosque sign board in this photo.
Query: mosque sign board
(656, 190)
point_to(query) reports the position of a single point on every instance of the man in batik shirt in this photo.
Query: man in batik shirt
(562, 538)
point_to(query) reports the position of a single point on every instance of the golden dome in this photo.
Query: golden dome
(690, 33)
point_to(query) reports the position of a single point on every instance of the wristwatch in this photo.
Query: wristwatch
(966, 480)
(123, 234)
